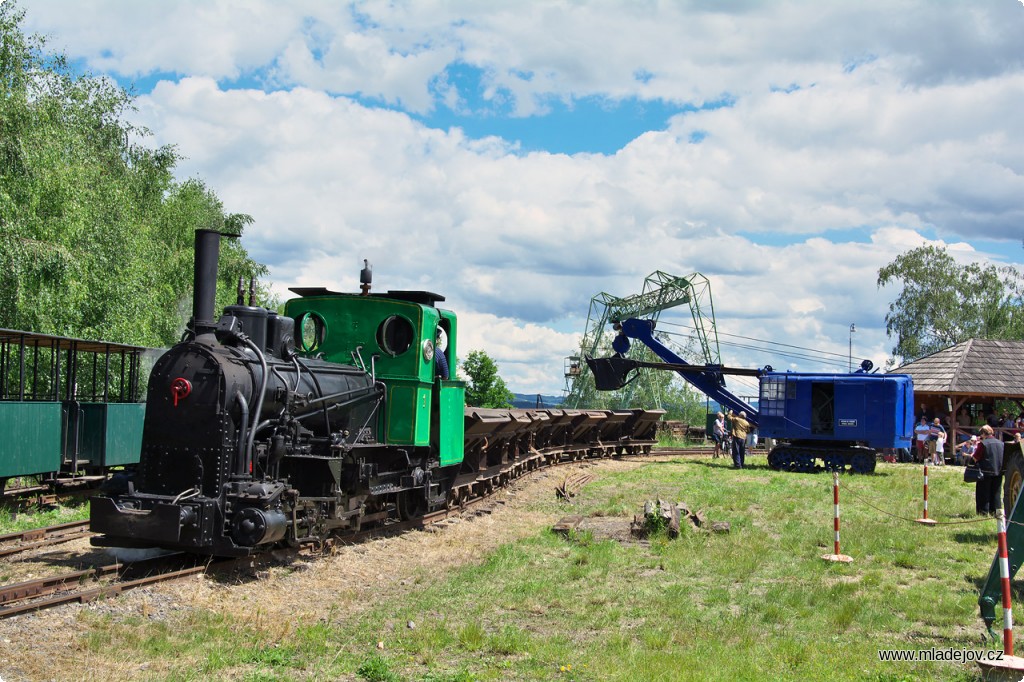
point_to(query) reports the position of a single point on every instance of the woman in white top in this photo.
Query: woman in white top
(921, 433)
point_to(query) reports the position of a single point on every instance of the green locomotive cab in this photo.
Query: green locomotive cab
(407, 343)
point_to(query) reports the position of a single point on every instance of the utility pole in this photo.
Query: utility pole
(853, 328)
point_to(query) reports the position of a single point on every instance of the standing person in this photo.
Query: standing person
(739, 426)
(939, 433)
(718, 433)
(921, 433)
(989, 456)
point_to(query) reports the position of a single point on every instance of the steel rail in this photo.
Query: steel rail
(50, 591)
(44, 537)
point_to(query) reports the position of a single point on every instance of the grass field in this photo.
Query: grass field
(14, 522)
(756, 604)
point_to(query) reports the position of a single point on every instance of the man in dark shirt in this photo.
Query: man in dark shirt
(989, 456)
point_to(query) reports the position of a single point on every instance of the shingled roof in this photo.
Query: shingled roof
(976, 367)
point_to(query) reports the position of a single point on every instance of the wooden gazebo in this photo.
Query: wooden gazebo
(962, 383)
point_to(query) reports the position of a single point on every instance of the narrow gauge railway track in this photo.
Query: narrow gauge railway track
(87, 585)
(699, 452)
(464, 497)
(95, 583)
(49, 491)
(22, 541)
(683, 452)
(109, 580)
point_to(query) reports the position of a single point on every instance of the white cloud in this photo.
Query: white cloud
(529, 356)
(682, 51)
(534, 237)
(856, 130)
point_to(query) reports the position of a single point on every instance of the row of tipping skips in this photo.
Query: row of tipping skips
(499, 441)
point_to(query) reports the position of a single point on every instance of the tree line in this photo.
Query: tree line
(943, 302)
(95, 231)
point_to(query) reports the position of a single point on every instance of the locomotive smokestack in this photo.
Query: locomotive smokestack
(204, 291)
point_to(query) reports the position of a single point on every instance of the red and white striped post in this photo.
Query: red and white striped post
(1004, 577)
(925, 520)
(842, 558)
(1009, 667)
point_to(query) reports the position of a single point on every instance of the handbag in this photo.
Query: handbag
(972, 474)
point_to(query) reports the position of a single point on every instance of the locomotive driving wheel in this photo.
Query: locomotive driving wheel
(411, 504)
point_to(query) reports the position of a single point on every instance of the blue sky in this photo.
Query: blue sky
(519, 158)
(592, 124)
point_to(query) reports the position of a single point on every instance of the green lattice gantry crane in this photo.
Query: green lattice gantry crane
(661, 291)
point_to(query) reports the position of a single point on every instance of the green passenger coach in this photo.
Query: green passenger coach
(407, 343)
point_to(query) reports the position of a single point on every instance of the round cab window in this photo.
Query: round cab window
(395, 335)
(312, 330)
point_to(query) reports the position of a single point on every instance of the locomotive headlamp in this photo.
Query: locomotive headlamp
(428, 350)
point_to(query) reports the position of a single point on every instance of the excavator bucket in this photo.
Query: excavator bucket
(610, 373)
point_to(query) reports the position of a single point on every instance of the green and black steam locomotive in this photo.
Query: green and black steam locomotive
(264, 429)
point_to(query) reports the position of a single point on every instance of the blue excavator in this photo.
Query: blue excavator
(835, 422)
